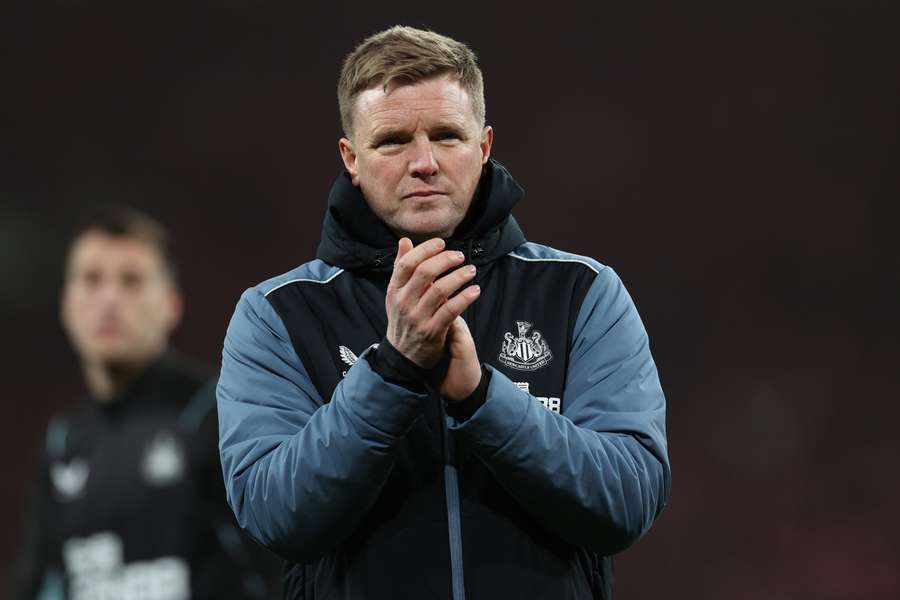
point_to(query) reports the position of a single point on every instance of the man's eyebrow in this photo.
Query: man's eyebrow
(449, 127)
(388, 132)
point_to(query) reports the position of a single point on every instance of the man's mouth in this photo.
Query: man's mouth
(423, 194)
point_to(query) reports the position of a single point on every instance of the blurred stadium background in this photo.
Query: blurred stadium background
(735, 162)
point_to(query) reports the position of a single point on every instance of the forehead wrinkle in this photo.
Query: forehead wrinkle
(413, 120)
(387, 110)
(418, 120)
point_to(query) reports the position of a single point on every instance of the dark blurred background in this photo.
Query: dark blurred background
(736, 163)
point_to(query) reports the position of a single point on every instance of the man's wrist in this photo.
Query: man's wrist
(466, 407)
(395, 368)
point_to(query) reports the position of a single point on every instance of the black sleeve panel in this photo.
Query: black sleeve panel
(395, 368)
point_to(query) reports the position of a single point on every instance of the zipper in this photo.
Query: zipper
(382, 259)
(454, 525)
(451, 478)
(473, 249)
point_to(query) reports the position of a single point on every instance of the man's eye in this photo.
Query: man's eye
(389, 142)
(131, 280)
(447, 135)
(91, 278)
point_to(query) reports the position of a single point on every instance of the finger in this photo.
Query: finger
(454, 307)
(403, 247)
(441, 290)
(429, 270)
(405, 265)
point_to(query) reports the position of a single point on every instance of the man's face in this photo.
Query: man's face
(417, 153)
(119, 305)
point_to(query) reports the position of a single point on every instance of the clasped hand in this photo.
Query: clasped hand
(424, 322)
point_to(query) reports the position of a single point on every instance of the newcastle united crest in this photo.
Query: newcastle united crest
(525, 352)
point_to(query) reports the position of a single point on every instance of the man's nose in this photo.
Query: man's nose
(109, 293)
(422, 163)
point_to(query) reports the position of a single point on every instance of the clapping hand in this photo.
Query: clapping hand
(424, 322)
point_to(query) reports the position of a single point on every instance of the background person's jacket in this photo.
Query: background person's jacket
(129, 503)
(371, 490)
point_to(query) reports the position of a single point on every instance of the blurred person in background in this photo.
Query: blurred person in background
(129, 501)
(434, 407)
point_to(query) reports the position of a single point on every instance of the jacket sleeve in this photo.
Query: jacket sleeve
(598, 474)
(38, 571)
(300, 473)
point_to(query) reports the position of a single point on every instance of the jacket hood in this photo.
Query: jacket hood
(353, 238)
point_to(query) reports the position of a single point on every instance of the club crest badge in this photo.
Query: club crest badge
(164, 460)
(525, 352)
(69, 479)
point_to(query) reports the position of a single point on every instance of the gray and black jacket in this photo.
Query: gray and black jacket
(371, 487)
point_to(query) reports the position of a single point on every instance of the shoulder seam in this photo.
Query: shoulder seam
(302, 280)
(568, 260)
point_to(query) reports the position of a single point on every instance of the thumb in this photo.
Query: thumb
(462, 327)
(459, 337)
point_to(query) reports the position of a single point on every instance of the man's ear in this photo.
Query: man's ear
(348, 155)
(487, 140)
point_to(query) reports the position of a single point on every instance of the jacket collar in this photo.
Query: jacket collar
(353, 238)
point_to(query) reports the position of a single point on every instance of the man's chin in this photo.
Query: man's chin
(421, 230)
(115, 357)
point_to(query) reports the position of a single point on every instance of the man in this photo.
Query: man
(434, 407)
(130, 503)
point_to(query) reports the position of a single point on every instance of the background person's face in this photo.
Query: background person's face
(118, 306)
(417, 154)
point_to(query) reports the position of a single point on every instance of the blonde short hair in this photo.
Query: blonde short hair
(407, 55)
